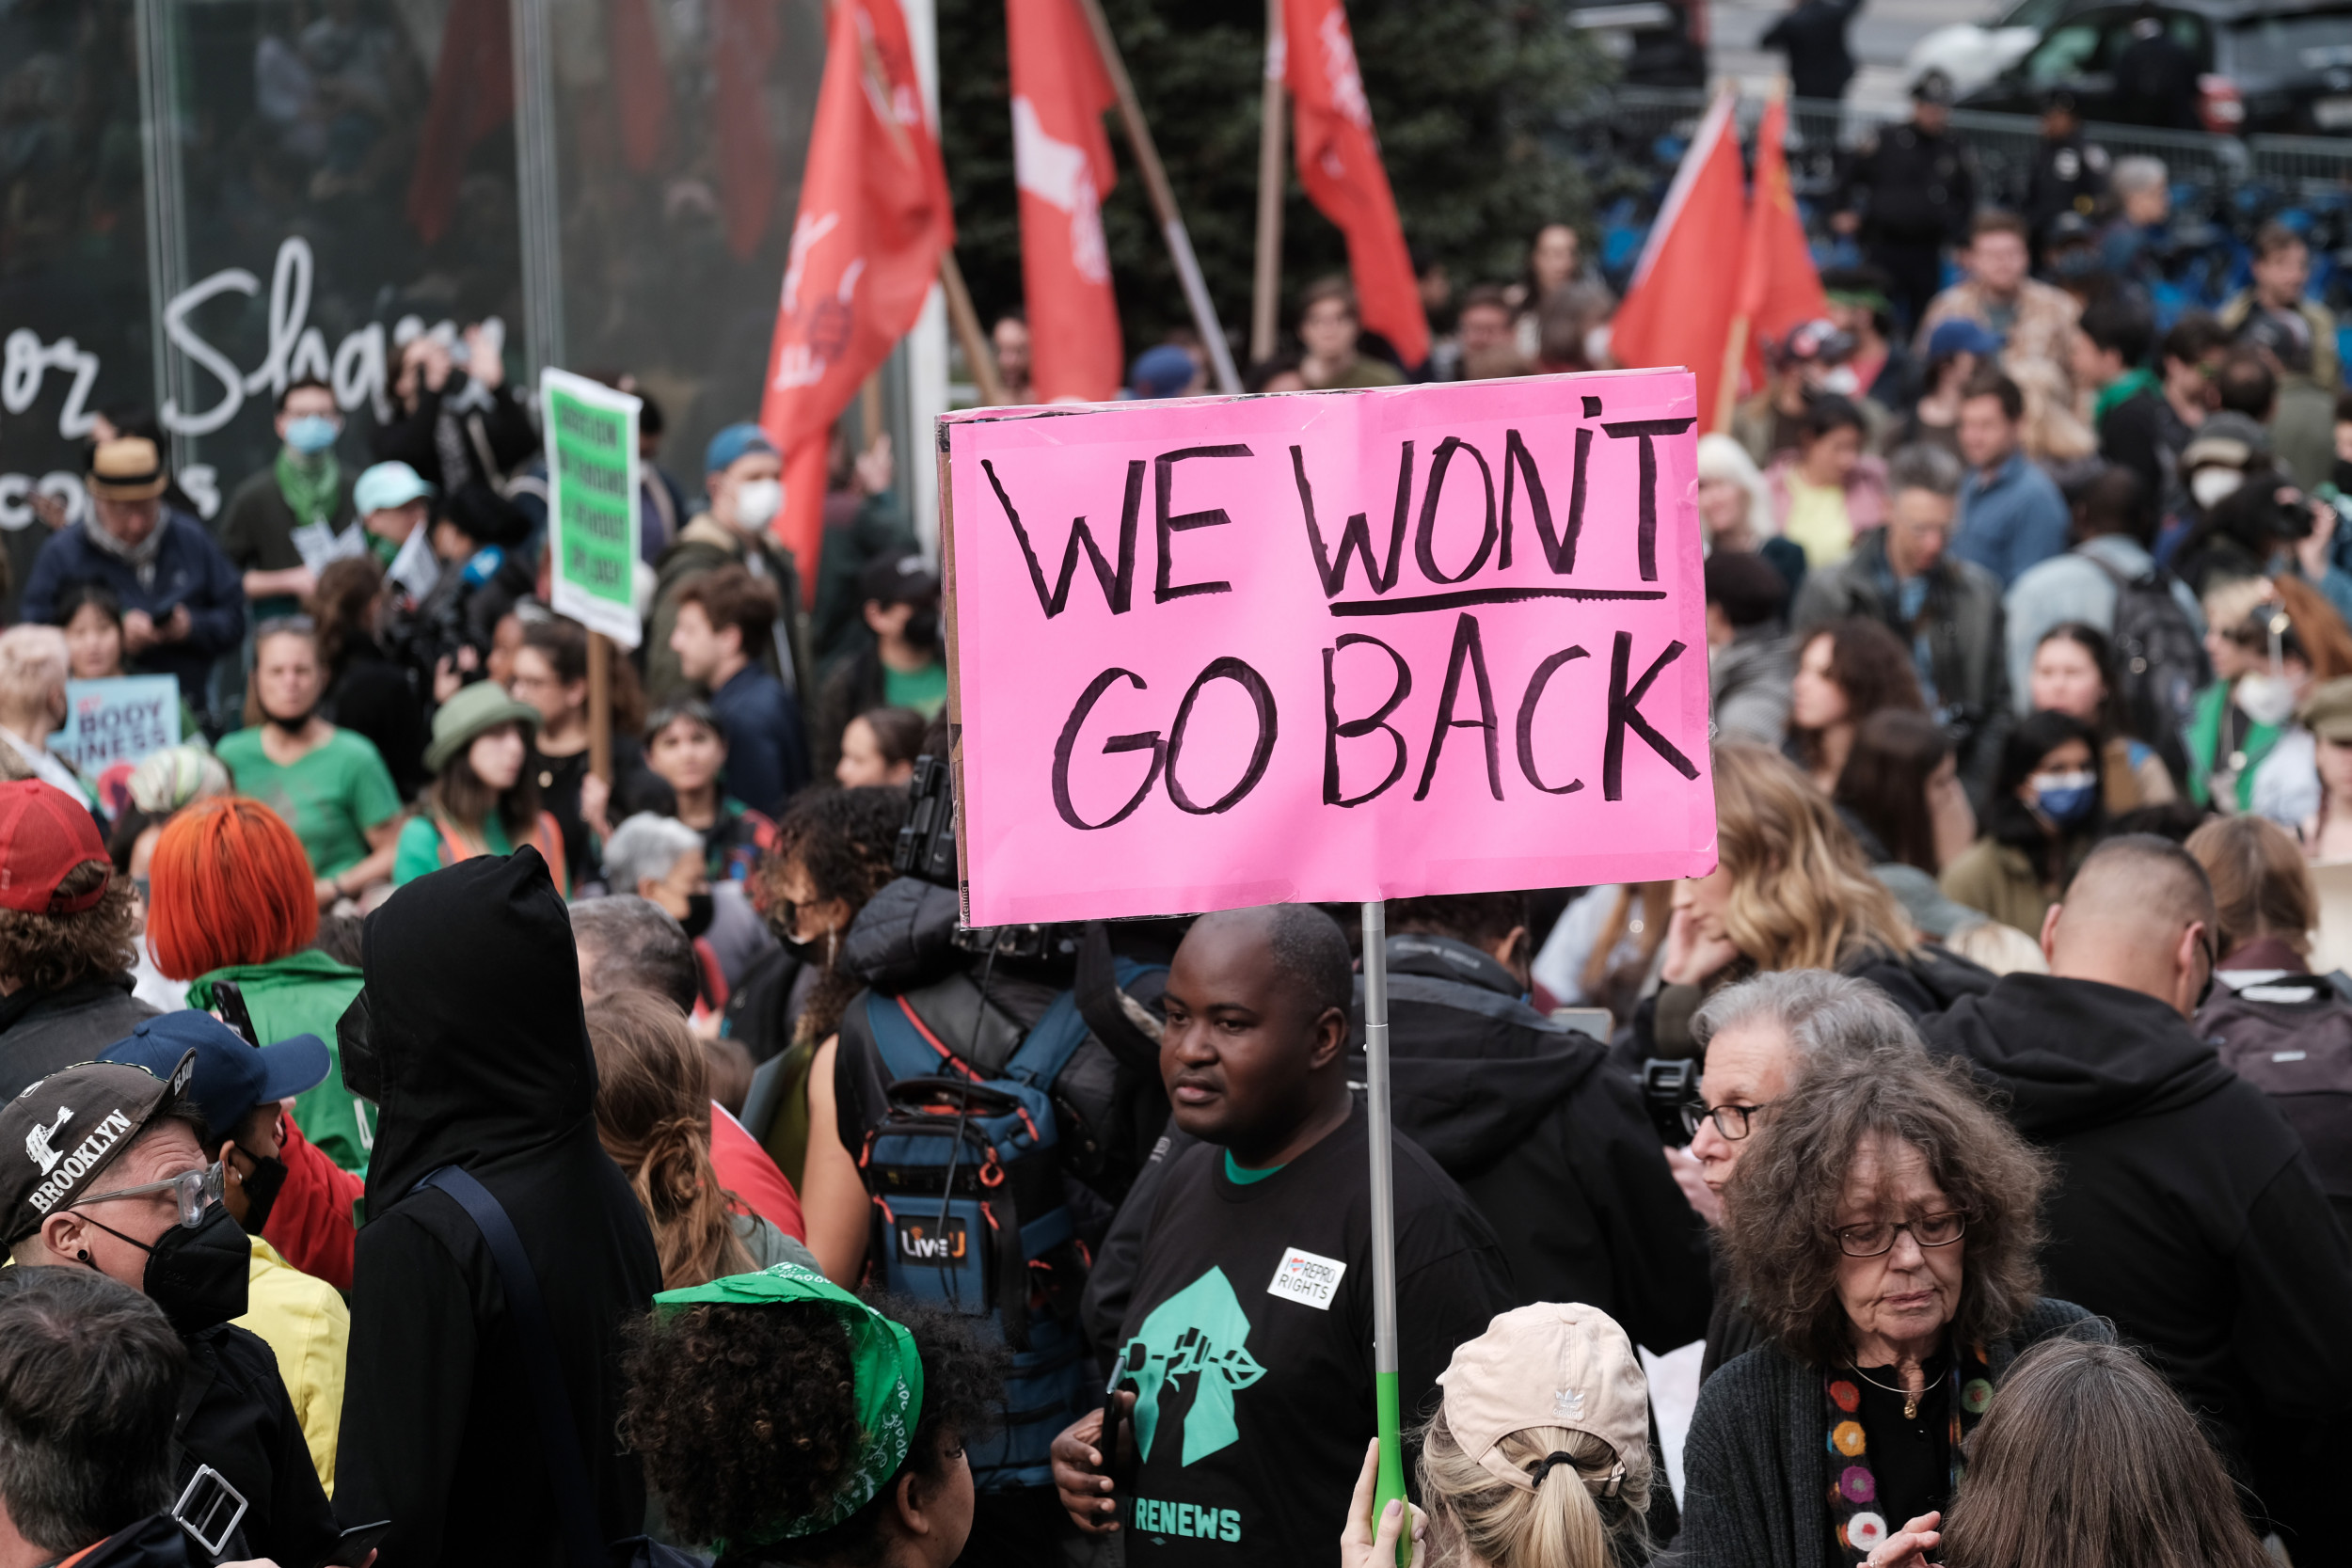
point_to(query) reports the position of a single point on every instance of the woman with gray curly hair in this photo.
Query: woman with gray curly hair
(1882, 1232)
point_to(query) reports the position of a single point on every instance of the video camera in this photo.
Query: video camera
(1670, 1093)
(927, 852)
(2266, 511)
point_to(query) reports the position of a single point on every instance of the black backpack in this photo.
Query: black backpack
(2160, 661)
(2291, 1038)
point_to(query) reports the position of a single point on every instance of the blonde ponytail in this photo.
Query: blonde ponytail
(1476, 1519)
(653, 1117)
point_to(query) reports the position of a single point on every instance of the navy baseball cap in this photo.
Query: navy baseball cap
(232, 1077)
(1961, 335)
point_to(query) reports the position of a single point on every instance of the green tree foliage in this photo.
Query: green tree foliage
(1463, 94)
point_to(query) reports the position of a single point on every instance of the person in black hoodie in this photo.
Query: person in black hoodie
(2188, 1210)
(470, 1040)
(1512, 1104)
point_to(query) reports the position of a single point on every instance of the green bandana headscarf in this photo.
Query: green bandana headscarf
(888, 1377)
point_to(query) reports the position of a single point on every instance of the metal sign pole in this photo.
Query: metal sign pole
(1384, 1355)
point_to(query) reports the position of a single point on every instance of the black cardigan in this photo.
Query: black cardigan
(1755, 1467)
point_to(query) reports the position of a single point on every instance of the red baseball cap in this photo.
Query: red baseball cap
(44, 833)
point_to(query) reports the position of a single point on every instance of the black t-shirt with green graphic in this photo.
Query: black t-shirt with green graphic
(1248, 1342)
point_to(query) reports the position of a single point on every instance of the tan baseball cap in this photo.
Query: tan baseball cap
(1550, 1365)
(127, 468)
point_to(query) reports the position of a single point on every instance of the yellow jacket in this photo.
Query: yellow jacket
(309, 1327)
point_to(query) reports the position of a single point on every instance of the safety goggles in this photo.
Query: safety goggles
(195, 1190)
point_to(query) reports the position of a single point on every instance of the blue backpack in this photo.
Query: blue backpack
(969, 1169)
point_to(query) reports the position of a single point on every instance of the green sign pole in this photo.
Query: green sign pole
(590, 433)
(1389, 1414)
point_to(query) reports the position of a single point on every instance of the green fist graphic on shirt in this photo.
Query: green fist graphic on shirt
(1201, 1331)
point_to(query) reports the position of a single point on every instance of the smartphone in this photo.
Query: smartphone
(228, 1005)
(353, 1546)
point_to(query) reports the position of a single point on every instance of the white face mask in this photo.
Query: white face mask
(1842, 381)
(2265, 697)
(757, 501)
(2212, 485)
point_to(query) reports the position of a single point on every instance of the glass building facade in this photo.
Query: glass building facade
(202, 198)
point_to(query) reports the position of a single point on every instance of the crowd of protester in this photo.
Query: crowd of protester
(442, 1146)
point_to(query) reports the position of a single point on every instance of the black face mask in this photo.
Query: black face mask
(268, 1179)
(290, 726)
(2344, 475)
(366, 1073)
(699, 910)
(200, 1278)
(923, 628)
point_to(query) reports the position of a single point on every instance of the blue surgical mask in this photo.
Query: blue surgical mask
(2065, 798)
(311, 433)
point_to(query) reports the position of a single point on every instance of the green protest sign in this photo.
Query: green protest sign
(590, 439)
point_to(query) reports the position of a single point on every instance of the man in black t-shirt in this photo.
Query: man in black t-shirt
(1242, 1386)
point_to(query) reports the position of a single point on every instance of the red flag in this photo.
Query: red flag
(1779, 287)
(473, 94)
(744, 38)
(1339, 163)
(1677, 310)
(874, 218)
(640, 82)
(1063, 160)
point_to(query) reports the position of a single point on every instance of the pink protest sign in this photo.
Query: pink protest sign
(1327, 646)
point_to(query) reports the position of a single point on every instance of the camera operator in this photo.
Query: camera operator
(995, 1014)
(477, 538)
(90, 1375)
(2252, 518)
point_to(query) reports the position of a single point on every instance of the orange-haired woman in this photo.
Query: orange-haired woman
(230, 909)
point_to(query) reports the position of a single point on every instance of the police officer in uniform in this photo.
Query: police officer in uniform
(2069, 174)
(1909, 192)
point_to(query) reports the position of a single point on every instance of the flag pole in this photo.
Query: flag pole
(1742, 322)
(1265, 300)
(1388, 1411)
(968, 333)
(1163, 202)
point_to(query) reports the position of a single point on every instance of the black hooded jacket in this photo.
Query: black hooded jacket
(1553, 1148)
(474, 1015)
(2186, 1209)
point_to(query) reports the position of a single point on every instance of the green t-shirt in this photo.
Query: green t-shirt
(330, 797)
(419, 850)
(925, 691)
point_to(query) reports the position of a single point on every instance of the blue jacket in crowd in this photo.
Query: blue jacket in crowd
(188, 569)
(2012, 521)
(767, 750)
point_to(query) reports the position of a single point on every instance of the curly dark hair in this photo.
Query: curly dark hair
(842, 841)
(49, 952)
(1780, 1210)
(746, 1416)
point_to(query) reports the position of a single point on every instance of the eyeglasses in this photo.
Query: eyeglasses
(1871, 1241)
(195, 1190)
(1733, 1121)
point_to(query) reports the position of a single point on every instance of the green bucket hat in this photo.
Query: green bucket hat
(483, 706)
(888, 1375)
